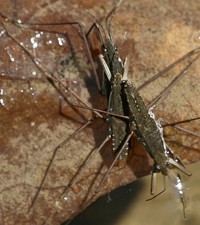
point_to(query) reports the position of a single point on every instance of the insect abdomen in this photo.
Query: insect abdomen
(147, 130)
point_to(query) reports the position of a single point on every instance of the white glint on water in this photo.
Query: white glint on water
(34, 40)
(61, 41)
(66, 198)
(49, 42)
(19, 21)
(2, 102)
(1, 99)
(34, 73)
(196, 37)
(12, 59)
(38, 35)
(34, 43)
(2, 32)
(179, 185)
(32, 91)
(32, 124)
(74, 82)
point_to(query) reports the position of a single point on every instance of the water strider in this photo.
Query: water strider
(121, 91)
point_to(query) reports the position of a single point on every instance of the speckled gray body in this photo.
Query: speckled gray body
(146, 130)
(118, 127)
(124, 99)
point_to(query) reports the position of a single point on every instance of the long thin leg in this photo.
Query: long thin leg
(59, 24)
(96, 26)
(174, 125)
(102, 111)
(114, 161)
(166, 123)
(86, 164)
(52, 159)
(153, 183)
(77, 97)
(186, 131)
(168, 68)
(47, 73)
(153, 186)
(168, 89)
(74, 180)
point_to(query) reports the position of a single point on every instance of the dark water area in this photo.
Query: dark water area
(128, 205)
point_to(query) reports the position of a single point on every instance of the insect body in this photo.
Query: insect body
(112, 89)
(125, 100)
(119, 127)
(149, 131)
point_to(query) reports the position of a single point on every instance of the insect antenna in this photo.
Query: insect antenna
(110, 17)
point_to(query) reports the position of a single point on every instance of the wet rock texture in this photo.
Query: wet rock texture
(35, 119)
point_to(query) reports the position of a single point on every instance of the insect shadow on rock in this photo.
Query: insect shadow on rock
(122, 115)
